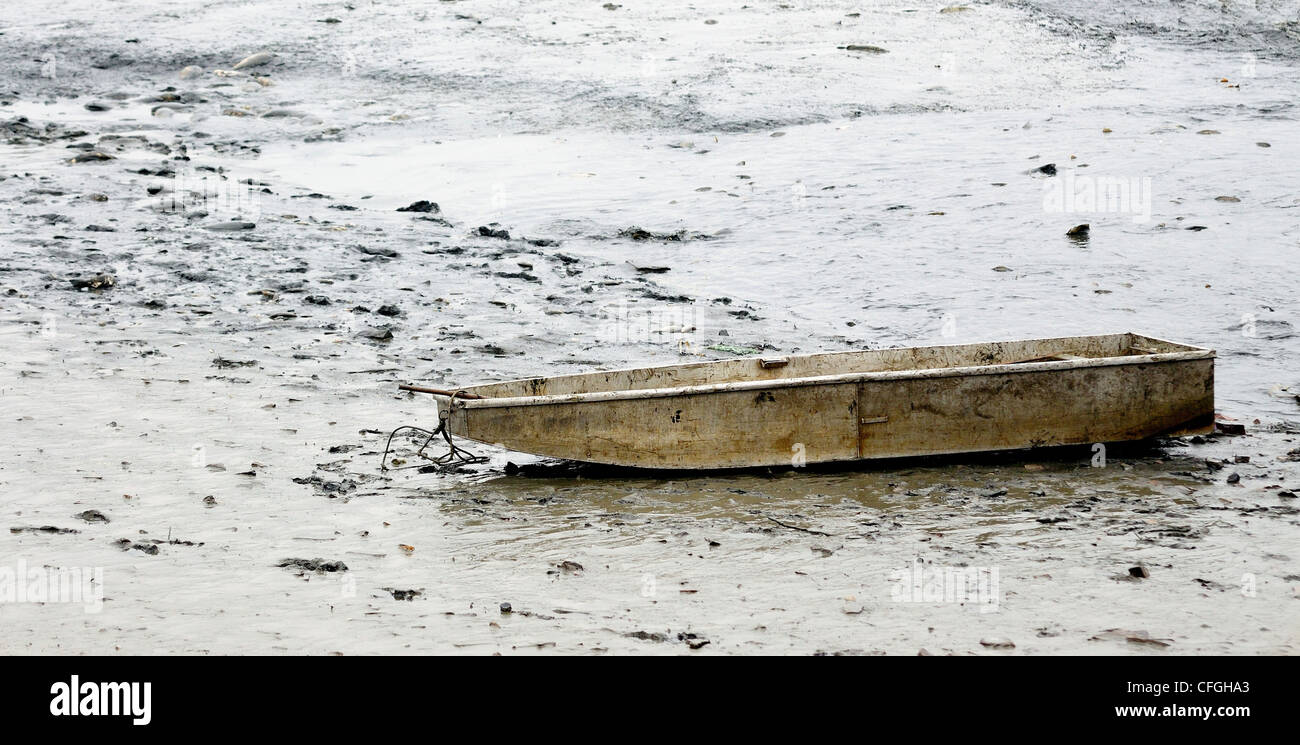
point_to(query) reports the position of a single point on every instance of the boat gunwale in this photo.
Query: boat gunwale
(1187, 353)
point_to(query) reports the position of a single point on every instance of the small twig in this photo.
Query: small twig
(796, 527)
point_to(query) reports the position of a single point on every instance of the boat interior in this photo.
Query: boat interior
(774, 367)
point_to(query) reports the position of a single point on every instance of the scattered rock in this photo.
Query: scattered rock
(1139, 572)
(225, 364)
(93, 516)
(230, 226)
(314, 565)
(50, 529)
(126, 544)
(647, 636)
(94, 282)
(423, 205)
(254, 60)
(1230, 428)
(93, 156)
(1136, 637)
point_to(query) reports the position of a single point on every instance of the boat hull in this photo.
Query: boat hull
(857, 415)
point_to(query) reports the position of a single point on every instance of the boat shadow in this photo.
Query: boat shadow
(1081, 454)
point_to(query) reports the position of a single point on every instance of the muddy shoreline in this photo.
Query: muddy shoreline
(212, 284)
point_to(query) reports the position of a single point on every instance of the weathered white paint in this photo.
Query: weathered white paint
(854, 405)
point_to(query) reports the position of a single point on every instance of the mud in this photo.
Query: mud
(212, 280)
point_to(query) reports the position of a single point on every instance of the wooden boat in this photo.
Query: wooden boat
(843, 406)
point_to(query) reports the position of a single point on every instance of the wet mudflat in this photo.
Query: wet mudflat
(209, 295)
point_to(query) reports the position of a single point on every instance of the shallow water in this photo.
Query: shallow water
(829, 199)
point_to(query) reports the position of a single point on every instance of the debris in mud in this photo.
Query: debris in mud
(694, 641)
(95, 282)
(230, 226)
(1230, 428)
(646, 269)
(331, 488)
(314, 565)
(1135, 637)
(733, 349)
(422, 205)
(868, 48)
(1079, 232)
(518, 275)
(389, 310)
(487, 231)
(569, 566)
(50, 529)
(407, 595)
(1139, 572)
(93, 156)
(254, 60)
(1047, 169)
(93, 516)
(796, 527)
(661, 297)
(377, 333)
(998, 643)
(126, 544)
(225, 364)
(506, 608)
(378, 251)
(647, 636)
(637, 233)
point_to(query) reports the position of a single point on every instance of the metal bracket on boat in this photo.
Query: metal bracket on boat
(455, 455)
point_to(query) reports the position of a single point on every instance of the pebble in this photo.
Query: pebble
(254, 60)
(230, 226)
(422, 205)
(95, 282)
